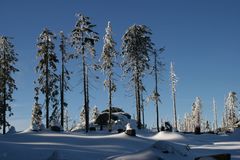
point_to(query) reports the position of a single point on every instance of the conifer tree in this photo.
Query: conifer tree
(65, 75)
(174, 80)
(36, 121)
(8, 59)
(82, 123)
(197, 113)
(231, 106)
(215, 127)
(95, 114)
(83, 39)
(136, 47)
(157, 68)
(48, 79)
(108, 59)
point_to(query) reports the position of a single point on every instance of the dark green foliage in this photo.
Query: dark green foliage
(136, 47)
(47, 67)
(8, 59)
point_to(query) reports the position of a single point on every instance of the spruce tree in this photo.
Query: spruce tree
(197, 114)
(8, 59)
(215, 127)
(83, 39)
(108, 59)
(174, 80)
(157, 68)
(65, 75)
(231, 113)
(95, 114)
(136, 47)
(48, 79)
(36, 121)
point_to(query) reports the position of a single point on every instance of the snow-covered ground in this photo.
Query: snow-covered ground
(102, 145)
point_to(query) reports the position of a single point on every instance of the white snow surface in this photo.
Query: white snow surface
(47, 145)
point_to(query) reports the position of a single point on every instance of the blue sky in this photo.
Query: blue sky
(202, 38)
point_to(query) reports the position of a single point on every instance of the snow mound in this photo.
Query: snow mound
(159, 151)
(168, 136)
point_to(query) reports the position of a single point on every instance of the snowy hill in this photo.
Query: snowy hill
(101, 145)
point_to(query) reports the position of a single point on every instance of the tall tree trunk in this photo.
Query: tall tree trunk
(174, 111)
(85, 90)
(87, 93)
(62, 91)
(110, 103)
(4, 95)
(138, 103)
(4, 107)
(47, 89)
(156, 104)
(142, 109)
(156, 91)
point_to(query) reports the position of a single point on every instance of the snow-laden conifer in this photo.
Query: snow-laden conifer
(95, 114)
(36, 121)
(65, 74)
(215, 124)
(157, 68)
(136, 47)
(82, 122)
(83, 39)
(197, 113)
(108, 59)
(46, 68)
(8, 59)
(174, 80)
(231, 112)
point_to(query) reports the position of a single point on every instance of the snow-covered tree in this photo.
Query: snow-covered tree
(66, 120)
(174, 80)
(157, 68)
(188, 123)
(108, 59)
(136, 47)
(82, 122)
(215, 124)
(83, 39)
(36, 121)
(95, 114)
(197, 113)
(65, 75)
(48, 79)
(231, 106)
(8, 59)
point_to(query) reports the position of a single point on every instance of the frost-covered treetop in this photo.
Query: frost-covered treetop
(135, 48)
(173, 77)
(109, 52)
(83, 35)
(46, 35)
(232, 100)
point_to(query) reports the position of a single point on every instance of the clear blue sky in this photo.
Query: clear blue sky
(202, 38)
